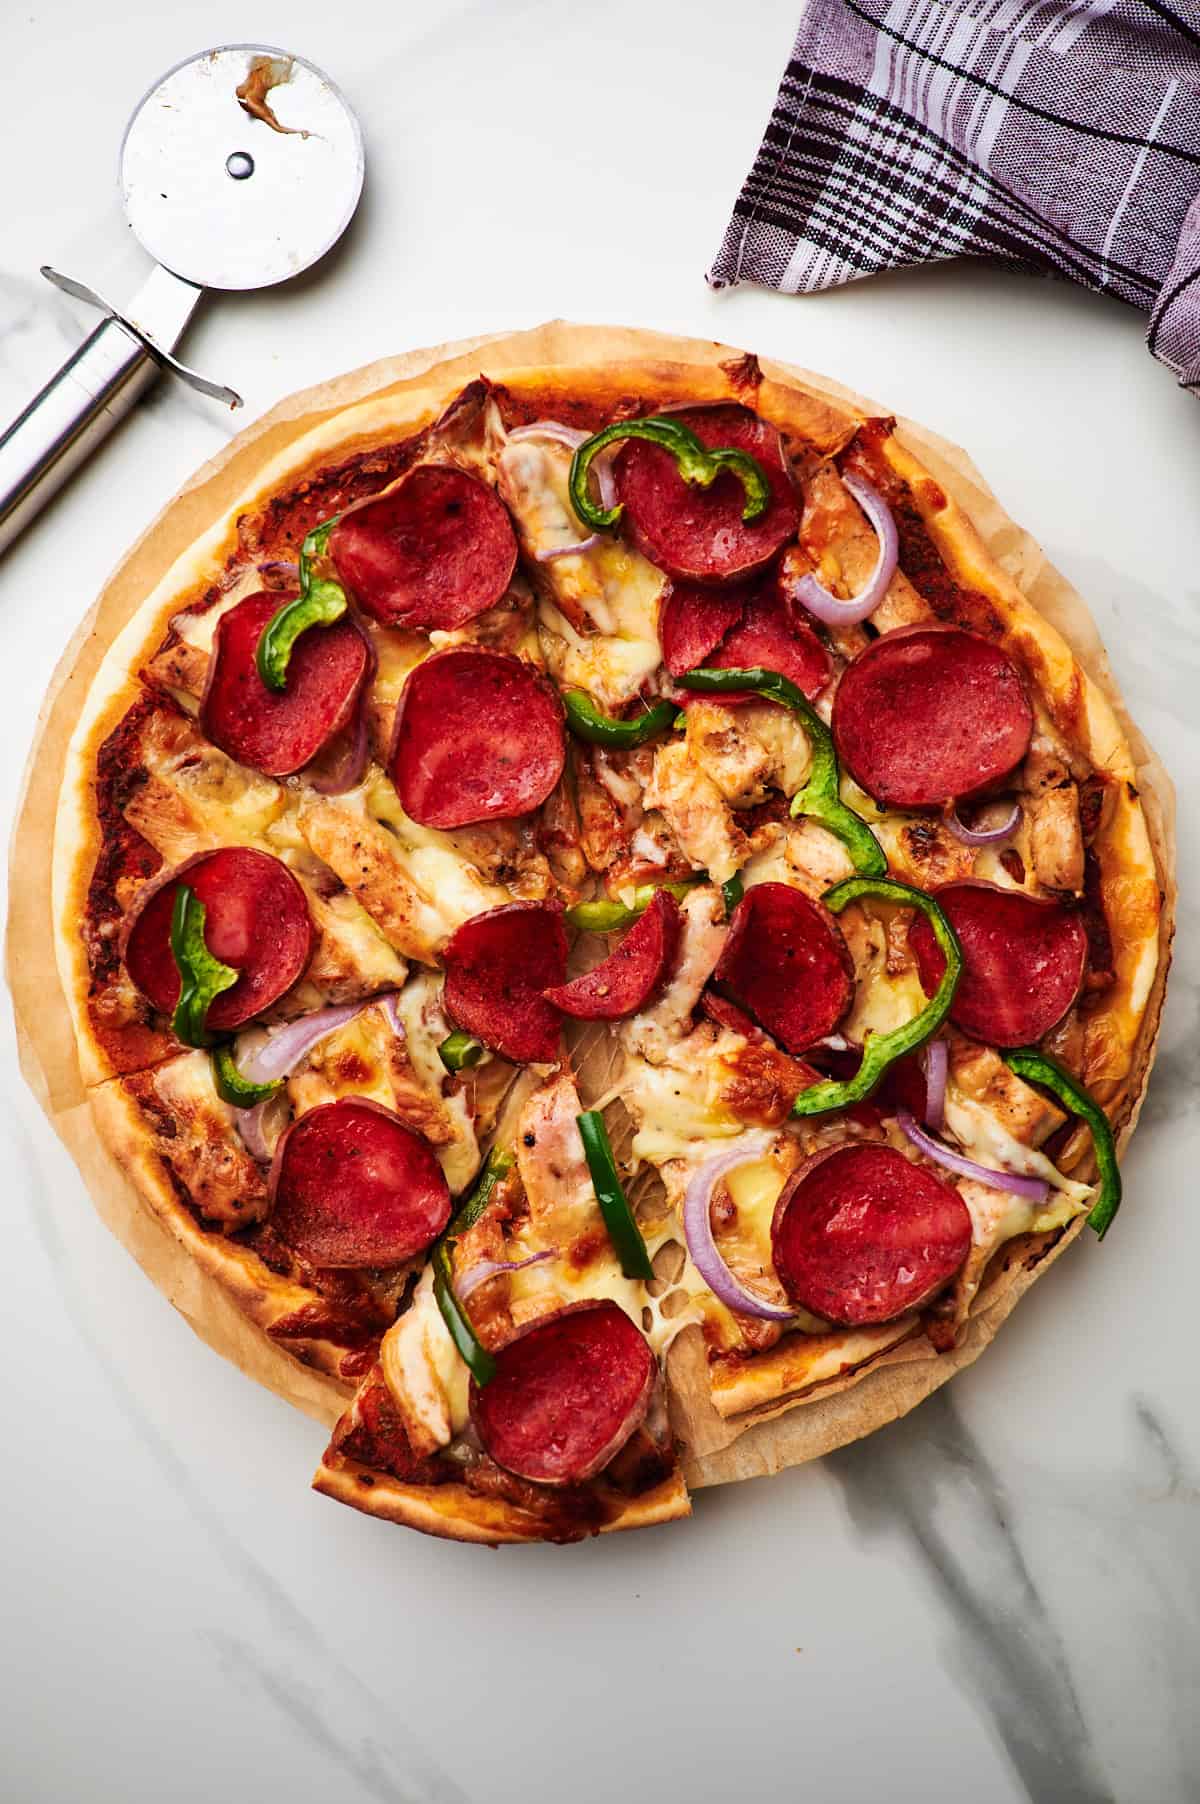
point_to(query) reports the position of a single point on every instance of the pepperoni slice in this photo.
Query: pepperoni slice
(352, 1187)
(278, 733)
(568, 1392)
(1023, 961)
(434, 552)
(629, 976)
(255, 918)
(930, 713)
(498, 965)
(769, 635)
(698, 534)
(785, 962)
(727, 1014)
(693, 621)
(479, 737)
(861, 1234)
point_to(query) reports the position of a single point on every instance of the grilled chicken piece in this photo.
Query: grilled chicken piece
(1018, 1108)
(194, 1133)
(843, 546)
(697, 814)
(652, 1033)
(1055, 831)
(739, 764)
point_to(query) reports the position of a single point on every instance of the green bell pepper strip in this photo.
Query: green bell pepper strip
(732, 891)
(587, 722)
(319, 603)
(623, 1230)
(819, 798)
(202, 978)
(698, 466)
(471, 1349)
(238, 1091)
(606, 915)
(1038, 1068)
(881, 1050)
(459, 1051)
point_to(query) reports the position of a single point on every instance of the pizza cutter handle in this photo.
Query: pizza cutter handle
(85, 399)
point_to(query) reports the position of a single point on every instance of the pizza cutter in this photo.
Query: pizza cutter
(239, 169)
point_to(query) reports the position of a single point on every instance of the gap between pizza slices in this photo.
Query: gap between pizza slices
(422, 822)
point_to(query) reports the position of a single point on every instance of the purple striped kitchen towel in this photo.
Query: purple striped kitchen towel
(1060, 137)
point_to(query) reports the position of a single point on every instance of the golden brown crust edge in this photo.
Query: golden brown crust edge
(455, 1514)
(261, 1296)
(619, 376)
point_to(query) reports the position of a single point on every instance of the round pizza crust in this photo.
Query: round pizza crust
(52, 847)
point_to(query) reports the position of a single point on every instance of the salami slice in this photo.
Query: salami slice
(929, 714)
(568, 1392)
(724, 1013)
(256, 919)
(769, 635)
(1023, 961)
(279, 732)
(434, 552)
(785, 962)
(352, 1187)
(629, 976)
(498, 965)
(693, 621)
(696, 534)
(861, 1234)
(478, 737)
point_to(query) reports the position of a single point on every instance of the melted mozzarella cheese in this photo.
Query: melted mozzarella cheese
(677, 1105)
(452, 887)
(983, 1139)
(606, 586)
(428, 1381)
(198, 627)
(883, 1002)
(419, 1007)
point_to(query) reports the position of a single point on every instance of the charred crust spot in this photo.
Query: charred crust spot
(745, 375)
(1100, 964)
(1092, 795)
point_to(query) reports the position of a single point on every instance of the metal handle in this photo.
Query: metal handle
(89, 395)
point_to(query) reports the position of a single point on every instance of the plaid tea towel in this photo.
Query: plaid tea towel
(1060, 137)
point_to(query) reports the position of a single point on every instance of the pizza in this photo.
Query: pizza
(590, 902)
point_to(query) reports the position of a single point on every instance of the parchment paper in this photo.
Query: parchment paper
(45, 1037)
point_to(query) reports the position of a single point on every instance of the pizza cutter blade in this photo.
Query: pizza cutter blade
(239, 169)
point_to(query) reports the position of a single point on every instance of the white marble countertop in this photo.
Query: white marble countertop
(997, 1599)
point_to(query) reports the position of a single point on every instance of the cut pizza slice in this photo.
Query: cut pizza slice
(521, 1396)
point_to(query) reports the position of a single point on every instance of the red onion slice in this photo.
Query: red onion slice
(344, 771)
(936, 1061)
(566, 435)
(1036, 1190)
(811, 592)
(985, 836)
(492, 1268)
(275, 566)
(292, 1042)
(697, 1230)
(580, 545)
(250, 1125)
(606, 482)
